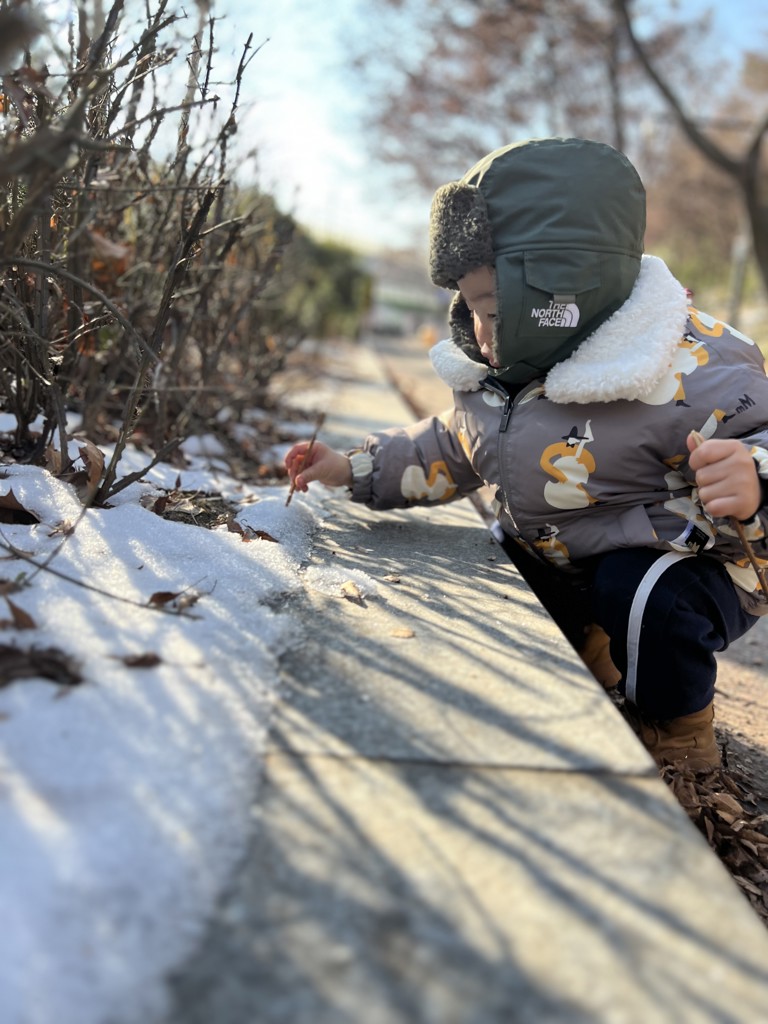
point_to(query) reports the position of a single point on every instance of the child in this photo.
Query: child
(623, 432)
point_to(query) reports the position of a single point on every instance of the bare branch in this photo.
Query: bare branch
(712, 151)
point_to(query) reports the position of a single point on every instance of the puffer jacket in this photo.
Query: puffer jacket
(593, 457)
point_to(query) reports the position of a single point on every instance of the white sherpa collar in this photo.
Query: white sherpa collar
(625, 358)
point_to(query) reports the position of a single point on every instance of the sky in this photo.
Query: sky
(127, 798)
(304, 118)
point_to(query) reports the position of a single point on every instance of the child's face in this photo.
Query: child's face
(478, 289)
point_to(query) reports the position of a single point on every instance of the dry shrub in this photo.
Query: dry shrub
(138, 285)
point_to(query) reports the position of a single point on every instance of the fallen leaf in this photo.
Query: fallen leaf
(148, 660)
(47, 662)
(53, 460)
(12, 510)
(725, 802)
(746, 884)
(392, 578)
(403, 633)
(93, 458)
(182, 599)
(263, 535)
(351, 592)
(21, 619)
(247, 533)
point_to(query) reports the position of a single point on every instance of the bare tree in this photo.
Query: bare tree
(449, 80)
(745, 169)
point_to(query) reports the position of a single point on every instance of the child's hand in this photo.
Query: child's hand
(326, 465)
(726, 475)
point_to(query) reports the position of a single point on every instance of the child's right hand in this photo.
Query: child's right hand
(329, 467)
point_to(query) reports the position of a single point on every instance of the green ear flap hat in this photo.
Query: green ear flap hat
(561, 221)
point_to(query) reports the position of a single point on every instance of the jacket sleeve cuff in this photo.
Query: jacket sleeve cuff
(361, 463)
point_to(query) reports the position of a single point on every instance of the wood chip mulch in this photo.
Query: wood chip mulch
(720, 804)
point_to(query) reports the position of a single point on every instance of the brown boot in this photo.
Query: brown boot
(597, 657)
(688, 741)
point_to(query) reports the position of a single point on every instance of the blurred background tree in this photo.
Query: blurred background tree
(448, 80)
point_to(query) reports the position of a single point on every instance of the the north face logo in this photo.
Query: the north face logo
(557, 314)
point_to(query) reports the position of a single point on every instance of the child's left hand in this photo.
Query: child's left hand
(726, 476)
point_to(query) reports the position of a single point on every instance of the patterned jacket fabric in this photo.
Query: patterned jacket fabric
(593, 457)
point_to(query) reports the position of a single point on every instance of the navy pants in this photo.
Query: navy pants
(664, 633)
(690, 612)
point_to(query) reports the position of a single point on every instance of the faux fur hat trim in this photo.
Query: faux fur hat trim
(459, 234)
(625, 358)
(455, 368)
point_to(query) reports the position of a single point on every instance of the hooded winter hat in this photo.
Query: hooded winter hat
(562, 222)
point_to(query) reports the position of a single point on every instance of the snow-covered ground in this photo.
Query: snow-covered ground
(127, 798)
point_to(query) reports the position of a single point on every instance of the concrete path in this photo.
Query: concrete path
(454, 824)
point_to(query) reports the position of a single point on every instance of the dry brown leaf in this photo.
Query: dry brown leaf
(733, 786)
(749, 886)
(729, 819)
(404, 633)
(247, 533)
(724, 802)
(21, 619)
(49, 663)
(13, 511)
(751, 836)
(738, 839)
(263, 535)
(181, 599)
(351, 592)
(93, 458)
(53, 460)
(147, 660)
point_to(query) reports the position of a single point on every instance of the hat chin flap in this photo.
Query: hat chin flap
(460, 237)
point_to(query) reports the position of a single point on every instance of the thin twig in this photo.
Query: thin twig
(17, 553)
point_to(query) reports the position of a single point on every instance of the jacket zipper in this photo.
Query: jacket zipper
(506, 414)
